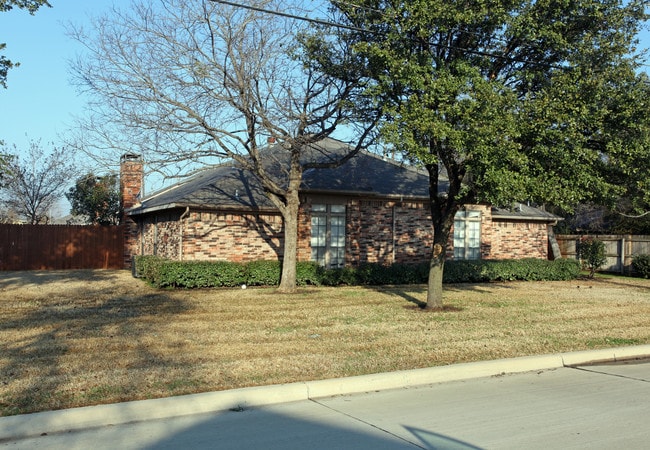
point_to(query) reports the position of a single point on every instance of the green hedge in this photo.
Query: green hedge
(529, 269)
(164, 273)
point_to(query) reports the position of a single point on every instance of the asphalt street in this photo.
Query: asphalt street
(601, 406)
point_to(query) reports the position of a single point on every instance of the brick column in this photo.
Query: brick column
(131, 180)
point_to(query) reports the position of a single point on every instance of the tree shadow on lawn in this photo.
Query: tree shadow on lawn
(37, 344)
(415, 294)
(13, 280)
(616, 280)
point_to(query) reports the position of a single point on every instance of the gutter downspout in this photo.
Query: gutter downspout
(183, 216)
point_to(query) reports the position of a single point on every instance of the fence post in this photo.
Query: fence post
(629, 248)
(623, 255)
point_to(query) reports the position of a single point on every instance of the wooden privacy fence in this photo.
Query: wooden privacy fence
(619, 249)
(56, 247)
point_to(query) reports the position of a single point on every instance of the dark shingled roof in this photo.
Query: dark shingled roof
(229, 187)
(366, 174)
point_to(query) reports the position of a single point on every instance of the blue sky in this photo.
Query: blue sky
(39, 102)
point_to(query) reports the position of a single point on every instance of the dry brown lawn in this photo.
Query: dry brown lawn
(87, 337)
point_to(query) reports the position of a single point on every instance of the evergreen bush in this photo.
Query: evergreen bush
(641, 265)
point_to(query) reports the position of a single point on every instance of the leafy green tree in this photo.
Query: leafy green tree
(591, 252)
(6, 5)
(508, 100)
(29, 5)
(97, 199)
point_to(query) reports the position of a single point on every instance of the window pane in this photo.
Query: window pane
(318, 231)
(459, 234)
(473, 214)
(338, 209)
(319, 208)
(318, 255)
(474, 235)
(337, 258)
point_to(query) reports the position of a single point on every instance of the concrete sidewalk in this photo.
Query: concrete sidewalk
(23, 426)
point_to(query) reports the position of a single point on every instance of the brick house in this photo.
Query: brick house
(371, 209)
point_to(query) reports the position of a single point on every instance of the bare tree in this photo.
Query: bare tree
(4, 166)
(190, 82)
(36, 180)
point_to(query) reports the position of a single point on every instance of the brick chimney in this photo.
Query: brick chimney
(131, 182)
(131, 175)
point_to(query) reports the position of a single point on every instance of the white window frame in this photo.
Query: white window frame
(467, 234)
(328, 234)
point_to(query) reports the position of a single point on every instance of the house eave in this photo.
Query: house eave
(139, 211)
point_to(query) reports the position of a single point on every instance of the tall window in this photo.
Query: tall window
(328, 235)
(467, 235)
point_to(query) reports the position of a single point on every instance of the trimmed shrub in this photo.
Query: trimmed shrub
(200, 274)
(164, 273)
(145, 266)
(308, 273)
(529, 269)
(263, 273)
(340, 276)
(268, 273)
(641, 265)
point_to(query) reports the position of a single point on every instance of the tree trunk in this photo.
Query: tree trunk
(436, 270)
(442, 225)
(290, 256)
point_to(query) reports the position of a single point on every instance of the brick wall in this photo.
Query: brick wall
(381, 231)
(232, 236)
(388, 231)
(516, 239)
(414, 233)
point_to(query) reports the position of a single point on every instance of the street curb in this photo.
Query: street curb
(48, 422)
